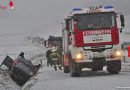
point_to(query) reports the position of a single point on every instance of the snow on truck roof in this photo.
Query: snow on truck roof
(94, 9)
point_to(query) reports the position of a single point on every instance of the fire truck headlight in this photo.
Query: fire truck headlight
(118, 53)
(79, 56)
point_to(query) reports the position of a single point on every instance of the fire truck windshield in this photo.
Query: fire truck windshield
(92, 21)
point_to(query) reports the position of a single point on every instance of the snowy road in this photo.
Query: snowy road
(57, 80)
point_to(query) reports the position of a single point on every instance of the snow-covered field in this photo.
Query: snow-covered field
(14, 51)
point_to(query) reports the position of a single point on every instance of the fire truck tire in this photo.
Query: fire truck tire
(75, 71)
(66, 69)
(114, 67)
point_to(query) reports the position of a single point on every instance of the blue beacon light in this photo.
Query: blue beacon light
(108, 7)
(77, 9)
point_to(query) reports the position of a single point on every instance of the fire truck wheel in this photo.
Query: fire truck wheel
(66, 69)
(75, 71)
(114, 67)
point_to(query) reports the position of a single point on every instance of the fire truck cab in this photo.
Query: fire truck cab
(90, 39)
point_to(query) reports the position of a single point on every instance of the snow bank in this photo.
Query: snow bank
(6, 82)
(30, 51)
(35, 53)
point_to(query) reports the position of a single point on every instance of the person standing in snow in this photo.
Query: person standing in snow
(49, 60)
(55, 56)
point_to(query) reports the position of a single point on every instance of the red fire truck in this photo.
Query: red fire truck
(90, 39)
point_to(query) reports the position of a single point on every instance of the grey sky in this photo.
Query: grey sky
(44, 17)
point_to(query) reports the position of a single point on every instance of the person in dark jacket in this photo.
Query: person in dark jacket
(49, 60)
(55, 57)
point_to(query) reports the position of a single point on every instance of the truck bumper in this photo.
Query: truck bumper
(96, 64)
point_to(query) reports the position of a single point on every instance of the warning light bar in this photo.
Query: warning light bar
(108, 7)
(93, 9)
(77, 9)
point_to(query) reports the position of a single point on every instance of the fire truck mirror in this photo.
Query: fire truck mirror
(67, 26)
(122, 20)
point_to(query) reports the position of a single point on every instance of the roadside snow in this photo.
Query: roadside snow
(34, 53)
(6, 83)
